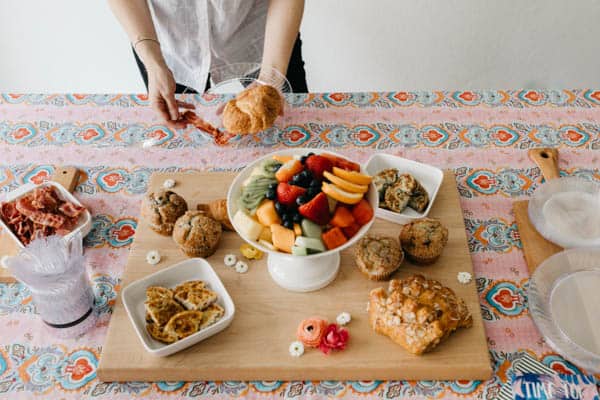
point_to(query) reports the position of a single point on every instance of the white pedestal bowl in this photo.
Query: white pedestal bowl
(298, 273)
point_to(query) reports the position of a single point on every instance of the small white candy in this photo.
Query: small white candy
(241, 267)
(464, 277)
(169, 183)
(230, 260)
(343, 318)
(153, 257)
(296, 349)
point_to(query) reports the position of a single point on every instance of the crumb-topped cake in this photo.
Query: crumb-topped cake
(417, 313)
(378, 256)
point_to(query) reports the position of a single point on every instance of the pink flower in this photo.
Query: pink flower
(335, 338)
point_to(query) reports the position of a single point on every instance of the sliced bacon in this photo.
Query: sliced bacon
(40, 213)
(70, 210)
(221, 138)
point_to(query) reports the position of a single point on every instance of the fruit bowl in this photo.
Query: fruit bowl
(312, 270)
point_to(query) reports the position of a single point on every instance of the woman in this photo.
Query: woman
(177, 43)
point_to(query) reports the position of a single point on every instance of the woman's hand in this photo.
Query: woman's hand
(161, 93)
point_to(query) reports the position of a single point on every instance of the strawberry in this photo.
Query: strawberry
(342, 163)
(316, 210)
(317, 165)
(287, 194)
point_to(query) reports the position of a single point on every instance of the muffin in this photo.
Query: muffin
(196, 234)
(423, 240)
(162, 209)
(378, 256)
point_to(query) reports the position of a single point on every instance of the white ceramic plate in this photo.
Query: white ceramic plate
(134, 296)
(429, 176)
(84, 224)
(563, 302)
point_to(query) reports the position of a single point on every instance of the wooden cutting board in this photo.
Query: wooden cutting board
(255, 345)
(536, 248)
(66, 176)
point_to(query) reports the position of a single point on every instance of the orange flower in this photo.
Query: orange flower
(311, 331)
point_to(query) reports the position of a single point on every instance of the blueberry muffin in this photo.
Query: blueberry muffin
(378, 256)
(196, 234)
(162, 209)
(423, 240)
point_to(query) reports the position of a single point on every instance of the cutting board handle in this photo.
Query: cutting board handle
(547, 159)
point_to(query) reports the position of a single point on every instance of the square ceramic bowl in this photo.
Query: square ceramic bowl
(134, 296)
(429, 176)
(84, 224)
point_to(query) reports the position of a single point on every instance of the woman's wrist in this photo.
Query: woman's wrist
(150, 54)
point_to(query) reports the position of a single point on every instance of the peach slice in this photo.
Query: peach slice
(344, 184)
(352, 176)
(340, 194)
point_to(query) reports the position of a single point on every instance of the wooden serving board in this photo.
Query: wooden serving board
(535, 248)
(255, 346)
(66, 176)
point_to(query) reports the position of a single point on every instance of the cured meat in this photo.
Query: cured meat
(221, 138)
(40, 213)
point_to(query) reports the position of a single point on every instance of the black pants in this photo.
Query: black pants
(296, 74)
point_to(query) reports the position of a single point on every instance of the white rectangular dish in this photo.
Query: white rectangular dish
(84, 223)
(429, 176)
(134, 296)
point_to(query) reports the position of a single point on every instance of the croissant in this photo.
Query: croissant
(217, 210)
(253, 110)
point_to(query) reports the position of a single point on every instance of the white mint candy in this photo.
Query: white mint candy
(241, 267)
(230, 260)
(153, 257)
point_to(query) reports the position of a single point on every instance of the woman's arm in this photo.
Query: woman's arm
(135, 17)
(281, 31)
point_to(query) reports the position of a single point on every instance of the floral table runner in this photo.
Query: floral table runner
(482, 135)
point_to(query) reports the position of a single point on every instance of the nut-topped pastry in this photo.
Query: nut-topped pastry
(398, 191)
(417, 313)
(383, 180)
(396, 198)
(423, 240)
(196, 234)
(162, 210)
(378, 256)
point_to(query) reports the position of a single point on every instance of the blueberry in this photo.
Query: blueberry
(271, 194)
(297, 218)
(280, 208)
(310, 154)
(313, 191)
(305, 174)
(273, 186)
(286, 217)
(288, 224)
(303, 198)
(315, 183)
(303, 159)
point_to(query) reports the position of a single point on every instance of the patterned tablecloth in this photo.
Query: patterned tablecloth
(482, 136)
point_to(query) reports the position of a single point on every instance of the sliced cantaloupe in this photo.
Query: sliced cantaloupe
(266, 213)
(266, 235)
(297, 230)
(283, 238)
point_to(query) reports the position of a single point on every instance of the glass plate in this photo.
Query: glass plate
(233, 78)
(565, 211)
(564, 302)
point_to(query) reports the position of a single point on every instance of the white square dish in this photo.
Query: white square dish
(134, 296)
(84, 224)
(429, 176)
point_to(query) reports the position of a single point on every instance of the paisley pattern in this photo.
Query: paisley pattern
(482, 136)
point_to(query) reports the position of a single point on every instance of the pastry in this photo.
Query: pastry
(383, 180)
(162, 209)
(395, 198)
(159, 334)
(158, 292)
(423, 240)
(378, 256)
(184, 324)
(419, 201)
(162, 309)
(196, 234)
(211, 315)
(217, 210)
(253, 110)
(195, 298)
(417, 313)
